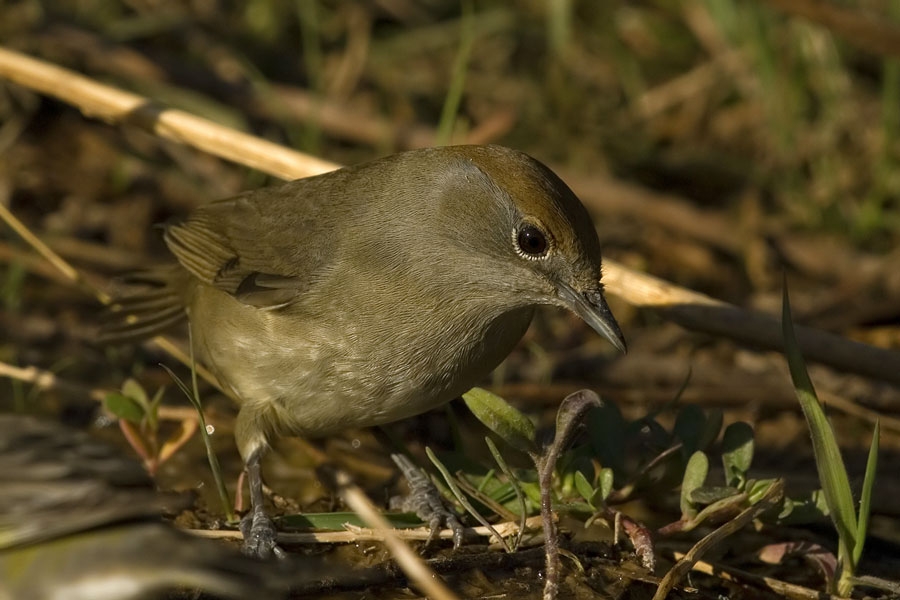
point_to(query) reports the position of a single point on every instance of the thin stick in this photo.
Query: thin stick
(117, 106)
(49, 255)
(411, 563)
(354, 534)
(46, 380)
(791, 591)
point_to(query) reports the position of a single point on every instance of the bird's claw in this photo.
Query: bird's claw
(425, 500)
(260, 536)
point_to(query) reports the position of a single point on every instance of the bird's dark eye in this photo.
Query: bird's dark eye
(531, 241)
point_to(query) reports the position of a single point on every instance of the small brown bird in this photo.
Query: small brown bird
(374, 292)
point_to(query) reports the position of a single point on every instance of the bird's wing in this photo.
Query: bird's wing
(264, 247)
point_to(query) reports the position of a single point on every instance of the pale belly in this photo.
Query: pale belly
(314, 379)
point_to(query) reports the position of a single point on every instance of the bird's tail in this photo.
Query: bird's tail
(154, 304)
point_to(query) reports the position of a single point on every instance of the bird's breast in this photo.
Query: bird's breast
(318, 373)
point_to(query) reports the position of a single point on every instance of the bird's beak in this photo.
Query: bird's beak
(592, 307)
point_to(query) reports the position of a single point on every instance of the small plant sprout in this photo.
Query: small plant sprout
(138, 416)
(519, 432)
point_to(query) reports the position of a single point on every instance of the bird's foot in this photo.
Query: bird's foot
(259, 534)
(425, 500)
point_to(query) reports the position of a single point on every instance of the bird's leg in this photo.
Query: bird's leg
(257, 527)
(425, 500)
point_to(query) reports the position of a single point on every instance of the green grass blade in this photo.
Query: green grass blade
(458, 79)
(193, 396)
(865, 499)
(830, 464)
(454, 487)
(514, 482)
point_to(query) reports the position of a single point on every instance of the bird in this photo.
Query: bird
(371, 293)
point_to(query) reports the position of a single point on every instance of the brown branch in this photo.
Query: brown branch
(117, 106)
(698, 312)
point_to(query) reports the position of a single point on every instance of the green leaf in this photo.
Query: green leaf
(694, 476)
(532, 491)
(124, 407)
(865, 500)
(724, 508)
(737, 453)
(606, 484)
(709, 494)
(499, 416)
(153, 412)
(757, 488)
(584, 487)
(810, 508)
(830, 464)
(135, 391)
